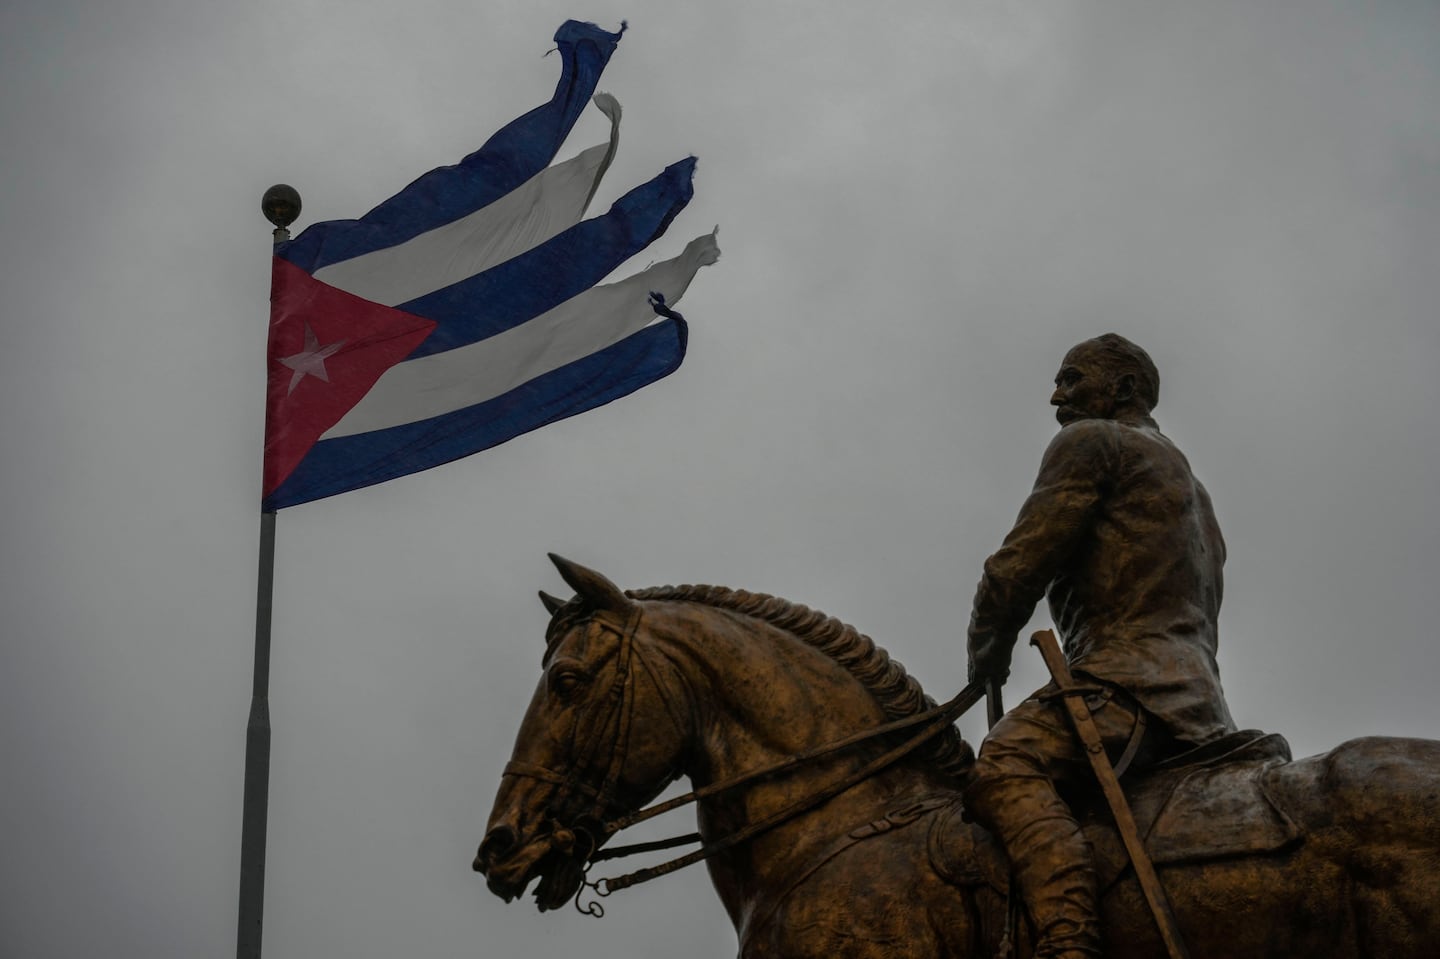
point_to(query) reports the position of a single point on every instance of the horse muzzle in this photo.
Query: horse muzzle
(556, 857)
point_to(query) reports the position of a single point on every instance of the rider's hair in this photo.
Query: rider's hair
(1126, 357)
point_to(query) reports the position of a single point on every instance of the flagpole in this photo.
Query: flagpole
(281, 205)
(257, 760)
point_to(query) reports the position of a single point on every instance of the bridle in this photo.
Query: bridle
(619, 703)
(615, 708)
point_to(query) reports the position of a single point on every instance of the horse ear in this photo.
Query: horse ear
(553, 604)
(596, 590)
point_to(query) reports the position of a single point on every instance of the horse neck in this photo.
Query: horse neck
(760, 696)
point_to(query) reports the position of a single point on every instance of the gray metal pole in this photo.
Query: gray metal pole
(257, 760)
(281, 205)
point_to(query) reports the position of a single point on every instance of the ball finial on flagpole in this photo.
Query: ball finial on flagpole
(281, 205)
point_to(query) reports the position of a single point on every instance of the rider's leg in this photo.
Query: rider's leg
(1050, 859)
(1013, 792)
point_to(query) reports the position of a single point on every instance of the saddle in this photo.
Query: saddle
(1212, 802)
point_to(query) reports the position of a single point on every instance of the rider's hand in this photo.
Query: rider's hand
(989, 657)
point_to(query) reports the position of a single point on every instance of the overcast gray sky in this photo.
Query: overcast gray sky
(920, 211)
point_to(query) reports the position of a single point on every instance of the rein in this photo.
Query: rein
(618, 704)
(938, 718)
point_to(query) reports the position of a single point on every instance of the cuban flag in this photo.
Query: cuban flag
(468, 309)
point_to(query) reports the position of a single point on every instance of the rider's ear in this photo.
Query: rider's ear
(597, 591)
(1125, 388)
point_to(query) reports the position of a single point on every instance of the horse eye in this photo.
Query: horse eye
(567, 682)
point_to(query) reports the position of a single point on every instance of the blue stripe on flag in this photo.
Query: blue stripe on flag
(522, 148)
(546, 276)
(351, 462)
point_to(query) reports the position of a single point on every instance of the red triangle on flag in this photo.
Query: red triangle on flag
(327, 349)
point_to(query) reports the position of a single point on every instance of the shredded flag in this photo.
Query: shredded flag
(465, 310)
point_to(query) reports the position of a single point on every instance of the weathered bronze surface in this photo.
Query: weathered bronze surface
(1262, 858)
(702, 682)
(1121, 537)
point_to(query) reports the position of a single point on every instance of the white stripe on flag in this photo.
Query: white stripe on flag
(547, 204)
(444, 382)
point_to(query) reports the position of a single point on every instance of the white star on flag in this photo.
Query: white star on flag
(311, 360)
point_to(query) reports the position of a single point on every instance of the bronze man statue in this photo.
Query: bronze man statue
(1121, 537)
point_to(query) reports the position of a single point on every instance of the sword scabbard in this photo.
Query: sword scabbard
(1084, 725)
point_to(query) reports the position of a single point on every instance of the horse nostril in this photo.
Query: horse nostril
(497, 842)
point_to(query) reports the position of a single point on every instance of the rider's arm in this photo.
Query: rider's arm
(1074, 475)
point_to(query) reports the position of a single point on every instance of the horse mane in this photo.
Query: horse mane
(896, 691)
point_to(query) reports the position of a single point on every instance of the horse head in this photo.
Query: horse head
(601, 738)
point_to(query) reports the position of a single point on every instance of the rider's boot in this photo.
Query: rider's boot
(1051, 860)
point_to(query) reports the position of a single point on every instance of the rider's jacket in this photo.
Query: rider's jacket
(1122, 538)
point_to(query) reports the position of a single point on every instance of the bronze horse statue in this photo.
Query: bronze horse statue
(645, 687)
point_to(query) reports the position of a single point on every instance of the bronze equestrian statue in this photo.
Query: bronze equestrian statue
(829, 788)
(1122, 538)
